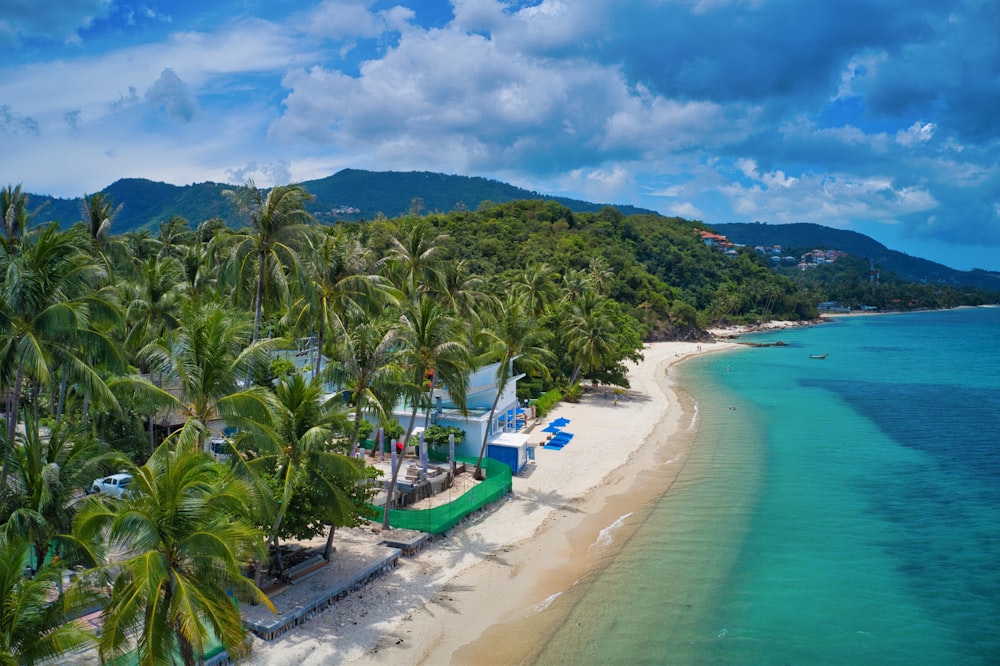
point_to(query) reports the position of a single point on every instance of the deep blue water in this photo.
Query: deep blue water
(838, 511)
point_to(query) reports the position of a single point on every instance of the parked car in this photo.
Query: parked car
(220, 448)
(115, 485)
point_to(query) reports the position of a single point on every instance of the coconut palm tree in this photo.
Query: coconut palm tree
(14, 216)
(589, 333)
(204, 360)
(152, 301)
(276, 225)
(341, 282)
(465, 292)
(538, 283)
(414, 261)
(430, 345)
(50, 471)
(36, 611)
(45, 317)
(98, 213)
(365, 363)
(177, 541)
(601, 275)
(174, 237)
(511, 333)
(293, 444)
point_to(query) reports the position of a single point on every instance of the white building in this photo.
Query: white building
(476, 421)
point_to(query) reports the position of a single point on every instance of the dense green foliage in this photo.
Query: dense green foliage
(850, 283)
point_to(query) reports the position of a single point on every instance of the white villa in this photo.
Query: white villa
(506, 443)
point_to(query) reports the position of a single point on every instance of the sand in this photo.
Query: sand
(445, 604)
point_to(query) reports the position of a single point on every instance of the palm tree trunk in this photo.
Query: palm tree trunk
(63, 386)
(318, 364)
(12, 406)
(152, 433)
(328, 551)
(286, 498)
(478, 474)
(357, 427)
(399, 464)
(15, 399)
(259, 299)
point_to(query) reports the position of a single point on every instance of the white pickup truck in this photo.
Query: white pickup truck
(114, 485)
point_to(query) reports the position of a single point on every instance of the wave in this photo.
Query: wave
(606, 536)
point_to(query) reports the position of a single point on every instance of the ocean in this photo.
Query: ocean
(835, 511)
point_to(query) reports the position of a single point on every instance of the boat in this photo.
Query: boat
(819, 356)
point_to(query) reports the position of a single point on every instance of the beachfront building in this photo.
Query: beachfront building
(509, 418)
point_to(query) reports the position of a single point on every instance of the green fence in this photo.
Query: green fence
(444, 517)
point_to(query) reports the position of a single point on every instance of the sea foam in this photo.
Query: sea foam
(606, 536)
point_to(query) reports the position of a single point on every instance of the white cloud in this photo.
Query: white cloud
(263, 175)
(858, 73)
(687, 210)
(353, 19)
(173, 95)
(916, 133)
(833, 199)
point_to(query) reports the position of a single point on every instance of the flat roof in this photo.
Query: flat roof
(512, 439)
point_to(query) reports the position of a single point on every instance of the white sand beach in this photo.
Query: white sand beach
(441, 605)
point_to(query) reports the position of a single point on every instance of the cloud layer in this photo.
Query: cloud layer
(878, 116)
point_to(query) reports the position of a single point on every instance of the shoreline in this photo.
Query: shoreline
(454, 601)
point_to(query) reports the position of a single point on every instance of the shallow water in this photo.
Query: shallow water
(831, 511)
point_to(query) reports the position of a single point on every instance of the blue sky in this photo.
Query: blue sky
(880, 116)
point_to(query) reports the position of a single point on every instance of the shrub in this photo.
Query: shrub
(574, 393)
(546, 402)
(393, 430)
(437, 436)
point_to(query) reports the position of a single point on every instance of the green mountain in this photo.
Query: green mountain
(802, 237)
(350, 194)
(354, 194)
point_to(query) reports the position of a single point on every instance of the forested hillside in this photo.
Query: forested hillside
(350, 194)
(798, 238)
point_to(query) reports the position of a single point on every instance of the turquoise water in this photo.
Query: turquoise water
(838, 511)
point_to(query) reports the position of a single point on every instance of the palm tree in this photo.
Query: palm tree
(175, 235)
(14, 215)
(601, 275)
(414, 261)
(341, 283)
(98, 213)
(276, 224)
(589, 333)
(45, 318)
(512, 333)
(294, 437)
(576, 283)
(36, 612)
(464, 292)
(177, 541)
(538, 283)
(430, 345)
(50, 470)
(206, 358)
(364, 363)
(152, 301)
